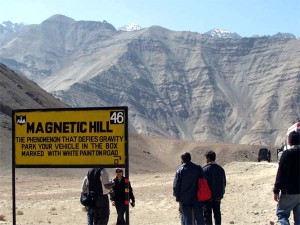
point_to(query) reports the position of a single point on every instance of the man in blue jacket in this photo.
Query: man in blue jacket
(287, 184)
(185, 188)
(216, 179)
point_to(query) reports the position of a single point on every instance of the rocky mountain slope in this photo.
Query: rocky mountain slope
(17, 92)
(176, 84)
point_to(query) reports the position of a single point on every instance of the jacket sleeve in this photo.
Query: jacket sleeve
(177, 185)
(281, 175)
(224, 180)
(131, 196)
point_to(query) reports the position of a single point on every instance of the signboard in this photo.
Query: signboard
(81, 137)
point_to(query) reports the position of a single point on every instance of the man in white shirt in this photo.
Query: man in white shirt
(98, 181)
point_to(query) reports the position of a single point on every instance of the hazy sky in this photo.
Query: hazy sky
(245, 17)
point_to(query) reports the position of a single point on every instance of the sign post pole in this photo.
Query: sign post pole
(13, 176)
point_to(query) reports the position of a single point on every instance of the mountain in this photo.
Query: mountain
(220, 33)
(8, 30)
(284, 35)
(17, 92)
(182, 85)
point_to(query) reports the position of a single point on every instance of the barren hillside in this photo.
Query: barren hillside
(17, 92)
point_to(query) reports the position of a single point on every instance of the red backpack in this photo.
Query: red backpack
(203, 193)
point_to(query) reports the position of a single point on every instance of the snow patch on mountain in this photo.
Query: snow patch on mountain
(8, 26)
(130, 27)
(221, 33)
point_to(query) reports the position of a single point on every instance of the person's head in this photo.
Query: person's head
(119, 172)
(294, 138)
(186, 157)
(210, 156)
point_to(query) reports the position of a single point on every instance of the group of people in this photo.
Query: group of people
(286, 189)
(185, 189)
(105, 190)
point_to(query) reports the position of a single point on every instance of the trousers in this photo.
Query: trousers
(287, 204)
(99, 215)
(212, 206)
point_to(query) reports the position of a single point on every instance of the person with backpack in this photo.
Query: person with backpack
(118, 198)
(185, 189)
(216, 179)
(98, 183)
(287, 184)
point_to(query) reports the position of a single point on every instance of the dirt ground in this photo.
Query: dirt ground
(52, 196)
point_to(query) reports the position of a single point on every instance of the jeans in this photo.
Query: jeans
(120, 207)
(213, 205)
(90, 216)
(189, 209)
(100, 214)
(286, 204)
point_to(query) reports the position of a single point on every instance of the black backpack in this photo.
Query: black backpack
(95, 188)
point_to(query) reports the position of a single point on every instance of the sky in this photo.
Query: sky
(245, 17)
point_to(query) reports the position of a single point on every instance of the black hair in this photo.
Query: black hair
(211, 155)
(186, 157)
(294, 138)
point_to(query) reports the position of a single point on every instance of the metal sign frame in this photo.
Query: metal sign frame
(30, 149)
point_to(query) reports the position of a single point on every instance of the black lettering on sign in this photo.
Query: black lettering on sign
(99, 127)
(28, 146)
(69, 139)
(96, 145)
(45, 146)
(32, 153)
(111, 145)
(57, 127)
(67, 146)
(88, 139)
(106, 152)
(110, 138)
(54, 153)
(43, 139)
(87, 152)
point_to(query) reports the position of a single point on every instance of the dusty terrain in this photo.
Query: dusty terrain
(51, 196)
(54, 199)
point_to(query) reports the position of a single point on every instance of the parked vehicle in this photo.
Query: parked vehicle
(264, 154)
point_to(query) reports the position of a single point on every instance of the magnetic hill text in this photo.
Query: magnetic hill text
(69, 127)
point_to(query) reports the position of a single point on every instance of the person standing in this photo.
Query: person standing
(185, 188)
(97, 180)
(287, 184)
(216, 179)
(118, 197)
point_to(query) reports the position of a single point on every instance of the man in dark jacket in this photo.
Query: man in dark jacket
(216, 179)
(288, 182)
(185, 188)
(119, 196)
